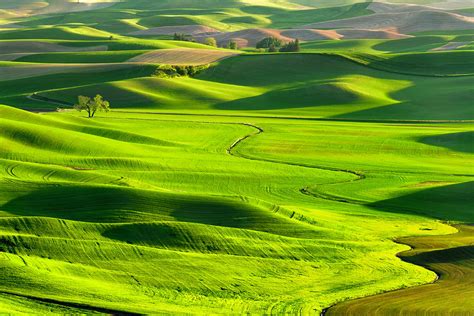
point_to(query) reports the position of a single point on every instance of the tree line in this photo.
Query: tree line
(210, 41)
(269, 44)
(273, 44)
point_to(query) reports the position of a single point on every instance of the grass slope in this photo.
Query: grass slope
(266, 184)
(127, 192)
(313, 85)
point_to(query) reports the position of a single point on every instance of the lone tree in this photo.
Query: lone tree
(232, 45)
(92, 105)
(211, 41)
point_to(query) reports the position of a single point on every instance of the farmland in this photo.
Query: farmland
(335, 180)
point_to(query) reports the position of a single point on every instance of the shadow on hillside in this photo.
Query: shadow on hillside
(311, 95)
(462, 142)
(451, 203)
(110, 204)
(427, 98)
(115, 204)
(449, 255)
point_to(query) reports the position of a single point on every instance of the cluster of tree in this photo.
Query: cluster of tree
(92, 105)
(273, 45)
(183, 37)
(293, 46)
(210, 41)
(169, 71)
(270, 43)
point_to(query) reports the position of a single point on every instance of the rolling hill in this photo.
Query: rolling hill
(332, 180)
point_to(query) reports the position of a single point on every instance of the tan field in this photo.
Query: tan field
(370, 34)
(182, 56)
(403, 22)
(384, 7)
(311, 35)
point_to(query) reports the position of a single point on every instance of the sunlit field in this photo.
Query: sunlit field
(334, 180)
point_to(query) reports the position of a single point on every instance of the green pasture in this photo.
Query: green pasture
(302, 85)
(111, 202)
(335, 179)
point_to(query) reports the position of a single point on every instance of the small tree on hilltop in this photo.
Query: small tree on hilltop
(92, 105)
(232, 45)
(211, 41)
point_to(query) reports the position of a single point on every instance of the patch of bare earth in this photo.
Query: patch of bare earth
(402, 22)
(182, 56)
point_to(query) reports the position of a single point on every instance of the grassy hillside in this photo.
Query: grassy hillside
(133, 201)
(310, 85)
(60, 32)
(337, 179)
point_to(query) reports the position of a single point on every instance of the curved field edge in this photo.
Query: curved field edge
(450, 256)
(425, 251)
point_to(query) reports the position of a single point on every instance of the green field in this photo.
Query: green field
(337, 180)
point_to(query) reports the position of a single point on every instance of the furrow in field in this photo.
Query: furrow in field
(76, 307)
(231, 151)
(182, 56)
(453, 273)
